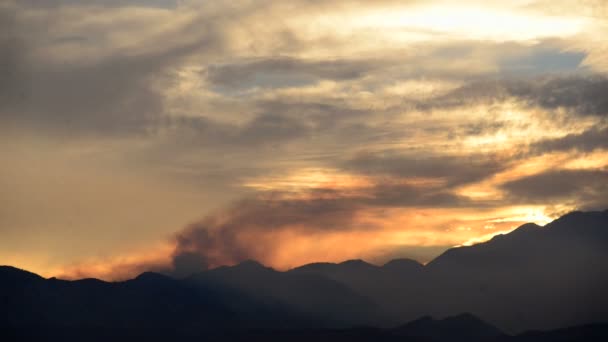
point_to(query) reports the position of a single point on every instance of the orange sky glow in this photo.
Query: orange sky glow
(292, 133)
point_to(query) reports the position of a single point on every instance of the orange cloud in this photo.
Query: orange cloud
(119, 267)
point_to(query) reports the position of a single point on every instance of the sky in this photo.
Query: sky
(183, 135)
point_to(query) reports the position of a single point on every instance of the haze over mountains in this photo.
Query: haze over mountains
(534, 278)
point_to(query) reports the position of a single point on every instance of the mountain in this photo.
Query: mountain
(309, 297)
(586, 333)
(464, 327)
(534, 278)
(381, 284)
(34, 308)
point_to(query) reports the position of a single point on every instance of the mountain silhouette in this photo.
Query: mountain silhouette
(464, 327)
(533, 278)
(382, 284)
(550, 281)
(305, 295)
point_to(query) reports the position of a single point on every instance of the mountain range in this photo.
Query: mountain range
(534, 284)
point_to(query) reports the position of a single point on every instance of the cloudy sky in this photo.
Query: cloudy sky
(180, 135)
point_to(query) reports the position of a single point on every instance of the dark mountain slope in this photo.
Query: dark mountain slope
(35, 307)
(464, 327)
(586, 333)
(532, 278)
(535, 277)
(316, 297)
(385, 285)
(539, 278)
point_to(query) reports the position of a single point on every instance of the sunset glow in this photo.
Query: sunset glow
(292, 132)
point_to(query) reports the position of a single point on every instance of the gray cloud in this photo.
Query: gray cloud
(272, 128)
(588, 188)
(12, 51)
(262, 130)
(114, 95)
(246, 229)
(587, 141)
(218, 239)
(212, 139)
(583, 95)
(320, 112)
(455, 170)
(169, 4)
(394, 195)
(541, 60)
(274, 72)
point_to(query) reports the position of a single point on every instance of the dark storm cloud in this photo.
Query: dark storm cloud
(586, 187)
(587, 141)
(283, 72)
(582, 95)
(455, 170)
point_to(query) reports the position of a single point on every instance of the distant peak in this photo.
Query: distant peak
(150, 276)
(402, 263)
(522, 230)
(356, 262)
(250, 264)
(582, 223)
(14, 272)
(465, 316)
(314, 266)
(580, 215)
(527, 227)
(422, 319)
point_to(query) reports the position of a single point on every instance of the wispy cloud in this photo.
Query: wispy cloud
(289, 127)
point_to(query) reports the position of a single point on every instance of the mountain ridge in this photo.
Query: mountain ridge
(540, 278)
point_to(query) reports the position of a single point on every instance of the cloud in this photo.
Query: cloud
(580, 94)
(248, 230)
(106, 95)
(263, 130)
(264, 227)
(542, 60)
(454, 170)
(186, 105)
(13, 52)
(400, 196)
(117, 268)
(274, 72)
(101, 3)
(587, 141)
(588, 188)
(583, 95)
